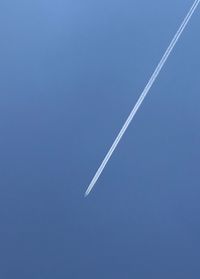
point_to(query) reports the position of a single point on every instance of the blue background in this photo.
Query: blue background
(70, 72)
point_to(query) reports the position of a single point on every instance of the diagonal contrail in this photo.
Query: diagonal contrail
(143, 95)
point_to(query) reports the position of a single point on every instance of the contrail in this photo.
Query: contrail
(143, 95)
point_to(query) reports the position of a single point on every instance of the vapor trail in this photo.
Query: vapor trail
(143, 95)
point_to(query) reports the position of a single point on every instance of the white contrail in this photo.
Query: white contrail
(143, 95)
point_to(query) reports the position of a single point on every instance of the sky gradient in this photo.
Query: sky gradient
(71, 72)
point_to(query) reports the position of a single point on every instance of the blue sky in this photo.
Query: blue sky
(71, 72)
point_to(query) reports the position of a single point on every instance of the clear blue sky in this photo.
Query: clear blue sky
(71, 72)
